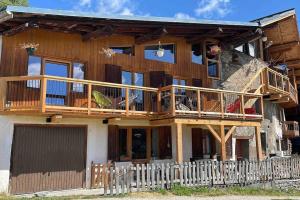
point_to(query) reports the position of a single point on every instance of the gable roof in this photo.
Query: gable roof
(78, 14)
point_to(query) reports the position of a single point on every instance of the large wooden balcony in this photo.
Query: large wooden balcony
(279, 88)
(290, 129)
(57, 95)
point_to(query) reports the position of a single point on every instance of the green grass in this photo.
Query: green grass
(241, 191)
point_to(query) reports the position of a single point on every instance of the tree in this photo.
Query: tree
(4, 3)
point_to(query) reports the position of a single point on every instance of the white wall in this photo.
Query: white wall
(96, 142)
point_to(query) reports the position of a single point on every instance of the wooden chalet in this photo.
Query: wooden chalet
(131, 89)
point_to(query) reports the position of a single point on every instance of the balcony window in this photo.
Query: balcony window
(124, 50)
(150, 53)
(34, 69)
(213, 68)
(78, 73)
(197, 54)
(179, 82)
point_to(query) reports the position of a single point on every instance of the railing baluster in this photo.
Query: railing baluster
(222, 104)
(199, 103)
(243, 106)
(127, 100)
(173, 101)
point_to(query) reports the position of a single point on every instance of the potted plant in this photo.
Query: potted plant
(30, 47)
(108, 52)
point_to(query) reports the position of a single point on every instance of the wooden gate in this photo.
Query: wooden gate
(47, 158)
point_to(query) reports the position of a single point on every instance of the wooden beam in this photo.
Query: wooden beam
(56, 118)
(214, 133)
(282, 100)
(196, 122)
(158, 33)
(258, 143)
(245, 37)
(103, 31)
(223, 143)
(200, 37)
(16, 29)
(274, 97)
(179, 143)
(229, 133)
(284, 47)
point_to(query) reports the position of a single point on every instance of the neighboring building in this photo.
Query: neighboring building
(78, 88)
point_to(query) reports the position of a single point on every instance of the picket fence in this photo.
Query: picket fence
(143, 177)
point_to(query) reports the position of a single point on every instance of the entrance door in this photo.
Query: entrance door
(56, 90)
(46, 158)
(242, 149)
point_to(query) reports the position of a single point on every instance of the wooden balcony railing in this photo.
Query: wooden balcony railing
(185, 101)
(290, 129)
(48, 94)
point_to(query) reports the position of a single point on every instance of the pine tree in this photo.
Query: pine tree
(4, 3)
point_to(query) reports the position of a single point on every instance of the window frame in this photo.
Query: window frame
(68, 62)
(162, 44)
(218, 61)
(123, 46)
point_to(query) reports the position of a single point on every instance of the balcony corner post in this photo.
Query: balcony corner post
(89, 98)
(43, 90)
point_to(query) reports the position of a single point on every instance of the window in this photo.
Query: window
(34, 69)
(78, 73)
(197, 54)
(263, 136)
(213, 59)
(253, 49)
(179, 82)
(150, 52)
(213, 68)
(137, 96)
(123, 50)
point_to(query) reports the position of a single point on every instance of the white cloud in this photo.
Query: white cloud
(181, 15)
(85, 3)
(213, 8)
(107, 7)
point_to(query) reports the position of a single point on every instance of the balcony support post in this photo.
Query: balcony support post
(179, 143)
(89, 98)
(3, 88)
(258, 143)
(223, 143)
(43, 91)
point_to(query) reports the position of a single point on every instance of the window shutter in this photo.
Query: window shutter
(157, 79)
(197, 82)
(165, 142)
(169, 79)
(113, 73)
(113, 143)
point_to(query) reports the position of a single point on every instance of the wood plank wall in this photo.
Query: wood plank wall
(70, 47)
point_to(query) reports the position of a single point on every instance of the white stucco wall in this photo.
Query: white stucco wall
(96, 142)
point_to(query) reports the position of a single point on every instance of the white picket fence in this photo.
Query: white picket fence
(143, 177)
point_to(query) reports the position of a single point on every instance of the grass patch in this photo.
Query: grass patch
(241, 191)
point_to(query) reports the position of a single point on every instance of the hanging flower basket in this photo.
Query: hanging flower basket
(29, 47)
(160, 51)
(215, 50)
(107, 52)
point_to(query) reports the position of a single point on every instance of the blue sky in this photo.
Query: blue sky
(238, 10)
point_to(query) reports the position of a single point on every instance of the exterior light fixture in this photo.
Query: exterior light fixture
(160, 52)
(264, 38)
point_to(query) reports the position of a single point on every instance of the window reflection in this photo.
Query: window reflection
(169, 53)
(197, 55)
(34, 69)
(78, 73)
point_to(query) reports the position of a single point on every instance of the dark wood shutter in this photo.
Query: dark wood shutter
(168, 79)
(197, 82)
(157, 79)
(197, 143)
(113, 143)
(113, 73)
(165, 142)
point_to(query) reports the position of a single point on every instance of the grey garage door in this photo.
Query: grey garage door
(47, 158)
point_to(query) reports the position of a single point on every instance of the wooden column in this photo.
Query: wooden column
(43, 91)
(258, 143)
(223, 143)
(179, 146)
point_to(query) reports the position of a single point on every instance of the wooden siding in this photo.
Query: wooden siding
(71, 47)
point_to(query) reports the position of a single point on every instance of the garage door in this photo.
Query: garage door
(47, 158)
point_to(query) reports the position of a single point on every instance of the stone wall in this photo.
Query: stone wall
(237, 70)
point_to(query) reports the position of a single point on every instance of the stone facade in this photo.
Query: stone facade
(237, 70)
